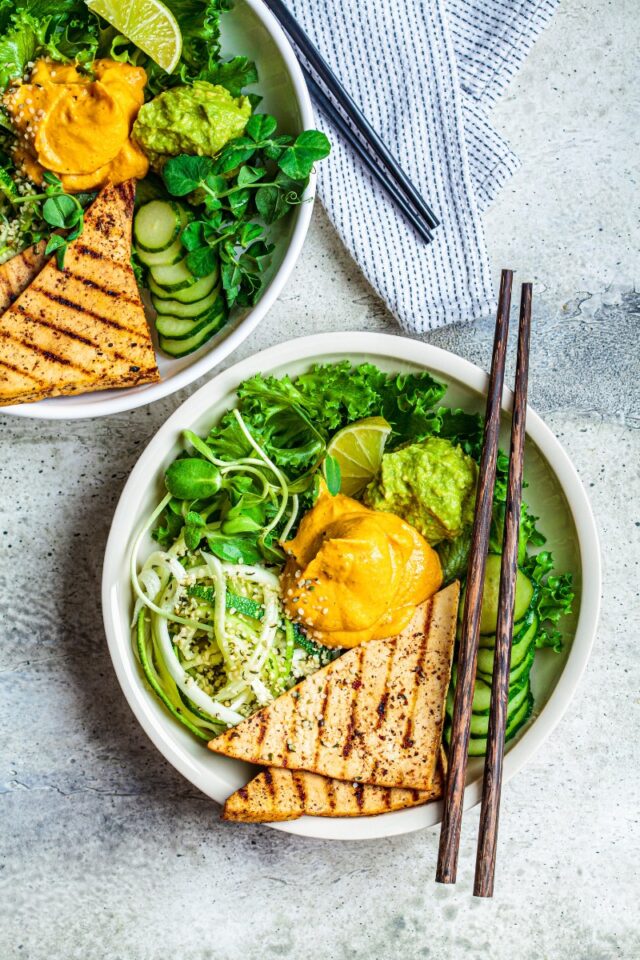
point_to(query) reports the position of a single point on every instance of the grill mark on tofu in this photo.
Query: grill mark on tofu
(108, 292)
(72, 335)
(83, 250)
(262, 729)
(321, 720)
(268, 779)
(331, 794)
(71, 305)
(47, 354)
(19, 370)
(358, 793)
(381, 709)
(407, 739)
(298, 782)
(351, 725)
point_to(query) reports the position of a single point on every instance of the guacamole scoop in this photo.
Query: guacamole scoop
(430, 484)
(197, 120)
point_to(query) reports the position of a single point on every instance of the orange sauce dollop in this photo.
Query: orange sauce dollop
(355, 574)
(78, 125)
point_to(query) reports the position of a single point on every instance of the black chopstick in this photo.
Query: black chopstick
(323, 70)
(336, 118)
(468, 653)
(492, 782)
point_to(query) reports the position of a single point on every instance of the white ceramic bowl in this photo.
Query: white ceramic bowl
(555, 494)
(251, 30)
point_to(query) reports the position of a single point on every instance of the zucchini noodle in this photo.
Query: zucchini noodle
(211, 635)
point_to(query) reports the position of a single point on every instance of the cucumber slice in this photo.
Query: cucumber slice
(161, 258)
(481, 696)
(157, 225)
(174, 277)
(479, 725)
(173, 308)
(179, 348)
(200, 289)
(524, 667)
(489, 614)
(181, 328)
(478, 745)
(519, 647)
(488, 640)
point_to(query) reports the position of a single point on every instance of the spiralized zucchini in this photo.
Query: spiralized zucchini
(211, 636)
(212, 639)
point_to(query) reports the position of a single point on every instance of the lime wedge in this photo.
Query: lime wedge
(147, 23)
(358, 449)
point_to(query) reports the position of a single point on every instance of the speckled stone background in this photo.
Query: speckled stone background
(107, 853)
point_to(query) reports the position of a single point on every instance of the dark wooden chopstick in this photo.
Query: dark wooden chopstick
(334, 86)
(343, 128)
(468, 652)
(492, 782)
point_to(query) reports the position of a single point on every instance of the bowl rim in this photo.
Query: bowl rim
(120, 401)
(356, 345)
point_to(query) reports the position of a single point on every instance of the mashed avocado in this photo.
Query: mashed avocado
(198, 120)
(430, 484)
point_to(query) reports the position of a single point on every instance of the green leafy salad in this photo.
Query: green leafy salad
(211, 625)
(214, 174)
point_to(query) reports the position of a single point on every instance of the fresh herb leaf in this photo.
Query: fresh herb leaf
(184, 174)
(297, 160)
(332, 475)
(261, 126)
(62, 211)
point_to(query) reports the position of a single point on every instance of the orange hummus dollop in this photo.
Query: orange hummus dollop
(354, 574)
(78, 125)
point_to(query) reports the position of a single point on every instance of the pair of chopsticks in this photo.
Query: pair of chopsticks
(468, 653)
(368, 146)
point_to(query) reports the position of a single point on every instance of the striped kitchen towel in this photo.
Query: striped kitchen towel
(426, 74)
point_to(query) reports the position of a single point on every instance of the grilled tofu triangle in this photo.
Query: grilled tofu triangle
(82, 328)
(375, 715)
(16, 274)
(288, 794)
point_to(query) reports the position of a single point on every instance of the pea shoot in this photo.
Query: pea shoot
(253, 182)
(62, 211)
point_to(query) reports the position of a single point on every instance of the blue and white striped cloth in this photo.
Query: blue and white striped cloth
(426, 74)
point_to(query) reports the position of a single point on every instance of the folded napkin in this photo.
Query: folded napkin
(426, 74)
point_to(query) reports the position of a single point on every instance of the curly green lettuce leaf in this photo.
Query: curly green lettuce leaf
(40, 28)
(294, 421)
(554, 598)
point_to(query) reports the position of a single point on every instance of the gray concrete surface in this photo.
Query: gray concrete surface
(105, 852)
